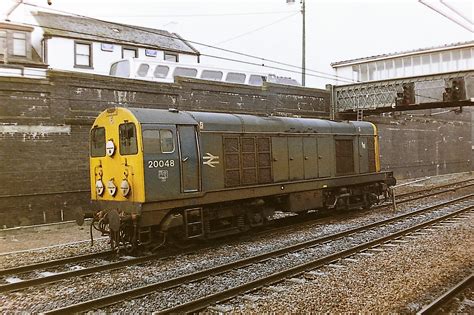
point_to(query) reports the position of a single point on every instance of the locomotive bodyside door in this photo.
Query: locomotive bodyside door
(326, 157)
(189, 158)
(280, 159)
(295, 158)
(310, 149)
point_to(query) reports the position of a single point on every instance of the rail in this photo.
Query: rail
(197, 305)
(437, 304)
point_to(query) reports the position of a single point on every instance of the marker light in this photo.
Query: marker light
(110, 148)
(111, 188)
(99, 187)
(124, 188)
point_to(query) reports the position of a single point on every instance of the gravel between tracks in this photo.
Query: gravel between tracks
(18, 249)
(400, 279)
(33, 300)
(76, 290)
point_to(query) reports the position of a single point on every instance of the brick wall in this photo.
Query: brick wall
(420, 144)
(44, 127)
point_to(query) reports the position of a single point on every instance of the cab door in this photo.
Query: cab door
(189, 158)
(161, 162)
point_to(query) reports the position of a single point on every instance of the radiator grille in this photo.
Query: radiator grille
(247, 160)
(231, 161)
(344, 157)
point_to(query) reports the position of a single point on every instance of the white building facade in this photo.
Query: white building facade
(449, 58)
(81, 44)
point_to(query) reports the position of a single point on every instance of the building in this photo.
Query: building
(89, 45)
(442, 59)
(17, 56)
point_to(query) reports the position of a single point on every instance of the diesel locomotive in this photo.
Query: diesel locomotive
(174, 175)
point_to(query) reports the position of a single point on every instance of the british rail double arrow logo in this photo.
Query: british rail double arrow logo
(210, 160)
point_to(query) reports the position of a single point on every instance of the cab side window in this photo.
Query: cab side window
(128, 139)
(166, 141)
(151, 142)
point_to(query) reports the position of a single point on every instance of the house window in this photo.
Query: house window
(3, 41)
(82, 55)
(107, 47)
(151, 52)
(129, 53)
(171, 57)
(19, 44)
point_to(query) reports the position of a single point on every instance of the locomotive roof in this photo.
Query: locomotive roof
(248, 123)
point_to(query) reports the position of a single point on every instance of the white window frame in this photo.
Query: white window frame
(19, 38)
(3, 40)
(168, 54)
(135, 50)
(76, 54)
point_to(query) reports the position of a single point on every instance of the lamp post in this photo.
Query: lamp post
(303, 57)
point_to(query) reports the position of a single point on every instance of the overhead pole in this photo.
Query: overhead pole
(303, 61)
(303, 33)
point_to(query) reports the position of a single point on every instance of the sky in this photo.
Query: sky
(336, 30)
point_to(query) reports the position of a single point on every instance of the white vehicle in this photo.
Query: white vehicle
(164, 71)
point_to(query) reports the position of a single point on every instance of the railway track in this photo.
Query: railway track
(318, 250)
(428, 192)
(52, 271)
(436, 307)
(29, 274)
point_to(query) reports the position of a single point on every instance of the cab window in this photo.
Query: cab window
(166, 141)
(128, 139)
(151, 141)
(97, 142)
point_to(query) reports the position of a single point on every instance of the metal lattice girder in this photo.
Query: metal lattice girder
(376, 94)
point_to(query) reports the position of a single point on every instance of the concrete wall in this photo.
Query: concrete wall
(44, 126)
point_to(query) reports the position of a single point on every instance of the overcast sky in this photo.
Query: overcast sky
(335, 30)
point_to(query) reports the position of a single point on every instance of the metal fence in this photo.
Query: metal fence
(388, 93)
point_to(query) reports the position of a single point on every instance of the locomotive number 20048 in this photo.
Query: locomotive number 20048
(160, 163)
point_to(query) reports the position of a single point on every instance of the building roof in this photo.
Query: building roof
(110, 32)
(15, 26)
(402, 53)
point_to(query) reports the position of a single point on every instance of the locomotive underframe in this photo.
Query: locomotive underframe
(231, 211)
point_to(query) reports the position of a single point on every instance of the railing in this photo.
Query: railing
(443, 87)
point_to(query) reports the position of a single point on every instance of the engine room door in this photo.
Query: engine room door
(189, 158)
(295, 158)
(326, 156)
